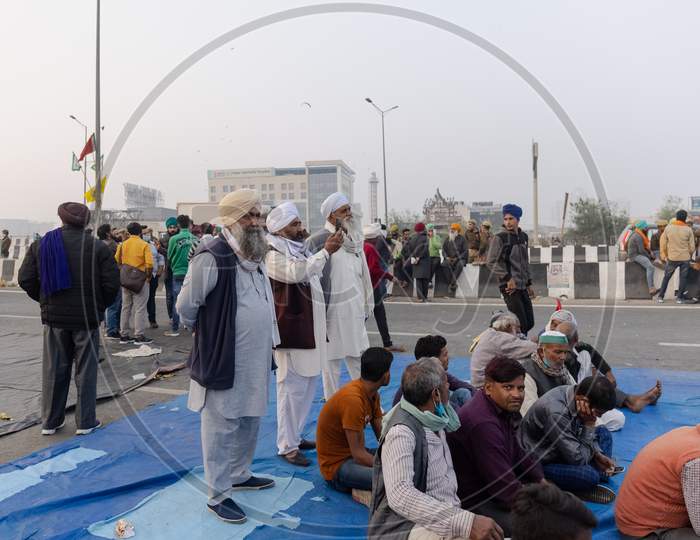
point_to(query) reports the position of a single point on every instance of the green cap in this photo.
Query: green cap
(553, 337)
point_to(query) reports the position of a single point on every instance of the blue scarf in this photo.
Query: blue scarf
(54, 274)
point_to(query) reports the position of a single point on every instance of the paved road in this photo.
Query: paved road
(638, 334)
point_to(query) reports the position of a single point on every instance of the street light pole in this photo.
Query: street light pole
(98, 134)
(84, 164)
(382, 113)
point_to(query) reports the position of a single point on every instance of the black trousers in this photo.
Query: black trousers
(62, 349)
(520, 304)
(380, 317)
(151, 305)
(422, 288)
(455, 270)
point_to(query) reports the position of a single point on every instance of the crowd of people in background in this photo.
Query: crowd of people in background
(511, 453)
(674, 246)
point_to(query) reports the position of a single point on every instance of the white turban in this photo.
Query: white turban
(561, 316)
(281, 216)
(236, 205)
(332, 203)
(373, 230)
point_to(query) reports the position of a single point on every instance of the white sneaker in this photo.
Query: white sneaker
(54, 430)
(660, 300)
(171, 334)
(88, 430)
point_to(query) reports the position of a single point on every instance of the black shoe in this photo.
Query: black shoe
(113, 335)
(125, 340)
(154, 324)
(307, 445)
(599, 494)
(296, 458)
(254, 482)
(228, 511)
(142, 340)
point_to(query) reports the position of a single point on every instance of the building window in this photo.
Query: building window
(212, 198)
(302, 185)
(272, 187)
(232, 188)
(284, 186)
(303, 195)
(212, 189)
(264, 187)
(226, 189)
(284, 196)
(291, 196)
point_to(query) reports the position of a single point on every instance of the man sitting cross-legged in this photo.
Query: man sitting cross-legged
(344, 461)
(584, 361)
(490, 464)
(560, 429)
(436, 347)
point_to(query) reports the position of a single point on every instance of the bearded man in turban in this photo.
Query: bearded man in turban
(295, 275)
(227, 300)
(347, 290)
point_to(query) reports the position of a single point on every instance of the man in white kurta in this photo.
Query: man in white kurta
(231, 410)
(348, 293)
(290, 262)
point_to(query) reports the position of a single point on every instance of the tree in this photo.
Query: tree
(668, 209)
(594, 223)
(404, 218)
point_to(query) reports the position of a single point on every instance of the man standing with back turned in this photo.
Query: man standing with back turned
(509, 260)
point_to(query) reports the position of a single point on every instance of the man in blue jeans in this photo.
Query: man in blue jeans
(560, 431)
(345, 462)
(677, 250)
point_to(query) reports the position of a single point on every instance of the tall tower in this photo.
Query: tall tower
(373, 210)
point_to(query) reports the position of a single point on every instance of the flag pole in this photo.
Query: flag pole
(98, 134)
(85, 170)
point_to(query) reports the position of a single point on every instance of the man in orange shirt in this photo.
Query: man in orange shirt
(344, 461)
(660, 496)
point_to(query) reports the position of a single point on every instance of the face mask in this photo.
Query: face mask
(546, 363)
(440, 409)
(147, 237)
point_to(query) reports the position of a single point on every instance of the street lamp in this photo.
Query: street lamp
(84, 164)
(382, 113)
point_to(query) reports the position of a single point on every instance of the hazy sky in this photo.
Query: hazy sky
(626, 72)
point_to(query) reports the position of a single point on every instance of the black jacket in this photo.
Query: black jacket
(95, 282)
(418, 248)
(508, 258)
(456, 249)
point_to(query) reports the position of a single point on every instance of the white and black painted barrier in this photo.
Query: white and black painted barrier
(582, 272)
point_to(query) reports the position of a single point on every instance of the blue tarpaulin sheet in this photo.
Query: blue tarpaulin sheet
(146, 468)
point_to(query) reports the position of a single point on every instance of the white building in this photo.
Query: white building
(373, 209)
(306, 186)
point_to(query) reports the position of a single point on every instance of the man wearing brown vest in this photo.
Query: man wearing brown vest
(660, 496)
(300, 307)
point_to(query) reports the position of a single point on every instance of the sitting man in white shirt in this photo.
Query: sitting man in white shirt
(414, 484)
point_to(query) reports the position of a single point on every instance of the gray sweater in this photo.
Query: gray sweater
(635, 246)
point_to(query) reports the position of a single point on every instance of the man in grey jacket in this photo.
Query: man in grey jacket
(509, 261)
(638, 251)
(559, 429)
